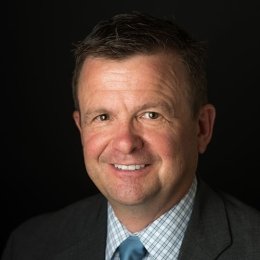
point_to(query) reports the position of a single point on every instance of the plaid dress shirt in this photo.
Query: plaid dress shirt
(162, 238)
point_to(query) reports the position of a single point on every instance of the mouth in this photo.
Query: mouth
(130, 167)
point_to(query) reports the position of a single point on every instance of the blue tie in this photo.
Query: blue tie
(131, 249)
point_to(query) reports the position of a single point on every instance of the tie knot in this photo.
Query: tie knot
(132, 249)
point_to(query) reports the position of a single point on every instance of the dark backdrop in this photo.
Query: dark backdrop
(42, 165)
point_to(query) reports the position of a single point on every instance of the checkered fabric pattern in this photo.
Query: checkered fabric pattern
(162, 238)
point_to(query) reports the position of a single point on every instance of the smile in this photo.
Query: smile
(131, 167)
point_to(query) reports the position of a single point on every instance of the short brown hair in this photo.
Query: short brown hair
(128, 34)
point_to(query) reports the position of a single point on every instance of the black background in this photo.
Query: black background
(42, 166)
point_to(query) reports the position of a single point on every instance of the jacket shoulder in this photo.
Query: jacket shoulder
(80, 213)
(243, 219)
(221, 227)
(45, 235)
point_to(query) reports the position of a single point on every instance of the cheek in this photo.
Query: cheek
(93, 144)
(173, 146)
(165, 143)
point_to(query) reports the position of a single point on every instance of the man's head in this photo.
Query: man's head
(141, 112)
(125, 35)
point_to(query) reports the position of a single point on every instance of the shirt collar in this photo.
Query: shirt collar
(163, 237)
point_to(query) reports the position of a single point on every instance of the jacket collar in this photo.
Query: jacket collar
(208, 233)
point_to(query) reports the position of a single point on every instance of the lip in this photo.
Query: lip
(143, 169)
(129, 167)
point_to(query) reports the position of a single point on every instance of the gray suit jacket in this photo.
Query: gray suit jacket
(220, 228)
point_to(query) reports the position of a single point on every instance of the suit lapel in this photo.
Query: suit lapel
(208, 232)
(93, 248)
(93, 238)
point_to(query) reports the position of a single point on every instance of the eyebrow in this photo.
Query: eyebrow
(89, 113)
(164, 105)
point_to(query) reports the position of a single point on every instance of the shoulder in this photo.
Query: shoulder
(221, 227)
(242, 223)
(243, 218)
(82, 212)
(235, 209)
(47, 234)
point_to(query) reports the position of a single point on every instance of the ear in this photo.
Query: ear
(206, 119)
(76, 117)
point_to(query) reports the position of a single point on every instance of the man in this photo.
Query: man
(142, 111)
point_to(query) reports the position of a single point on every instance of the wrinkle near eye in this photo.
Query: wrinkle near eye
(91, 115)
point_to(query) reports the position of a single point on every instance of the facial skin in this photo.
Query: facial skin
(139, 136)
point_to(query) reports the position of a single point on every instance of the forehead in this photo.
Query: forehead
(137, 70)
(134, 82)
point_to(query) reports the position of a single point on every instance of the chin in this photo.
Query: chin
(127, 199)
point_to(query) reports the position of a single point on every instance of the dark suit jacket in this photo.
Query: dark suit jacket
(220, 228)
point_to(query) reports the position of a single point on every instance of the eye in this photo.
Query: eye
(102, 117)
(151, 115)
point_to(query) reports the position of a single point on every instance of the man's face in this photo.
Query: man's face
(140, 140)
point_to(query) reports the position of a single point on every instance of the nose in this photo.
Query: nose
(127, 139)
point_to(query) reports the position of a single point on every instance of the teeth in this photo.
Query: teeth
(132, 167)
